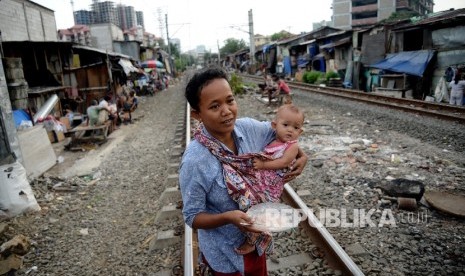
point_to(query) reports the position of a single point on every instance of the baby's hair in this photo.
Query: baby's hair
(292, 108)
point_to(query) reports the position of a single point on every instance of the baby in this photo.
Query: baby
(282, 151)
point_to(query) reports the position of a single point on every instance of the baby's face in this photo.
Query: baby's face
(288, 125)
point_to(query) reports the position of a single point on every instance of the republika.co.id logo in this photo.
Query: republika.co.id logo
(331, 217)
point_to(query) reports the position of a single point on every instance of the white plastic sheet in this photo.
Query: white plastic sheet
(16, 195)
(441, 93)
(274, 217)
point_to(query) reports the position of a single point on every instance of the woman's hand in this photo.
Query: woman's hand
(242, 221)
(297, 168)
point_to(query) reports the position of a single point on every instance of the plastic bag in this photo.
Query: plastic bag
(274, 217)
(16, 195)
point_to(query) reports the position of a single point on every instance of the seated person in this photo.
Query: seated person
(93, 112)
(268, 85)
(129, 104)
(281, 88)
(132, 100)
(112, 114)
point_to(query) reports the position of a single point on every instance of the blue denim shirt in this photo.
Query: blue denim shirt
(204, 191)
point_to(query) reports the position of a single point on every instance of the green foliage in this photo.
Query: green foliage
(331, 75)
(400, 15)
(232, 45)
(312, 76)
(281, 35)
(183, 61)
(236, 84)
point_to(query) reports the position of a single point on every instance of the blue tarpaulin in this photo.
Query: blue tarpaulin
(410, 62)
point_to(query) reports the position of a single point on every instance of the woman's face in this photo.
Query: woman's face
(217, 108)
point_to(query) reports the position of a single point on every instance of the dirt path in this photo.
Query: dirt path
(101, 229)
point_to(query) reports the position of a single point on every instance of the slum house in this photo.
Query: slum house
(266, 55)
(443, 32)
(167, 61)
(284, 55)
(366, 78)
(32, 22)
(241, 59)
(335, 50)
(92, 73)
(34, 74)
(304, 52)
(388, 70)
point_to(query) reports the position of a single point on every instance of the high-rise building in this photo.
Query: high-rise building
(348, 14)
(83, 17)
(126, 17)
(104, 12)
(140, 19)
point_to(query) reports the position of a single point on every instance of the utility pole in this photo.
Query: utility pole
(167, 35)
(72, 7)
(218, 45)
(252, 41)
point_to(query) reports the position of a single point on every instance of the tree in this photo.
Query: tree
(282, 34)
(160, 42)
(399, 16)
(232, 45)
(174, 50)
(183, 61)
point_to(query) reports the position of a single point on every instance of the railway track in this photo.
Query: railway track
(422, 108)
(299, 251)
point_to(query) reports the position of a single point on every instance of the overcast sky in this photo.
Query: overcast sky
(208, 22)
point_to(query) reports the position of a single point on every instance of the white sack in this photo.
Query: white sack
(16, 195)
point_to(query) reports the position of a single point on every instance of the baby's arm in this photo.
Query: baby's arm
(280, 163)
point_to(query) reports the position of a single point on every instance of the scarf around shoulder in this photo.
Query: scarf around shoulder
(238, 171)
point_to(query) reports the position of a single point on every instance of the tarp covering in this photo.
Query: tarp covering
(127, 66)
(411, 62)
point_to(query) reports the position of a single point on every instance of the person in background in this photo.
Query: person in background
(133, 101)
(93, 112)
(112, 110)
(457, 89)
(268, 85)
(207, 205)
(281, 88)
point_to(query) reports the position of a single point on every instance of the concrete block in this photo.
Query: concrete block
(172, 180)
(304, 193)
(164, 239)
(168, 211)
(173, 168)
(163, 273)
(170, 195)
(290, 261)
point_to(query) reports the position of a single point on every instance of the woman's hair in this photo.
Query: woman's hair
(199, 81)
(457, 78)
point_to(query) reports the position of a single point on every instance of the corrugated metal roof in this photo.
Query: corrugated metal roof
(432, 18)
(110, 53)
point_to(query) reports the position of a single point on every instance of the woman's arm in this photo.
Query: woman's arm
(209, 221)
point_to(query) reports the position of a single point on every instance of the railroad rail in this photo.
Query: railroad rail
(332, 252)
(424, 108)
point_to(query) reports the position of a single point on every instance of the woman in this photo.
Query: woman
(206, 203)
(457, 89)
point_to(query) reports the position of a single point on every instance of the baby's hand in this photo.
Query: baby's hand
(257, 163)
